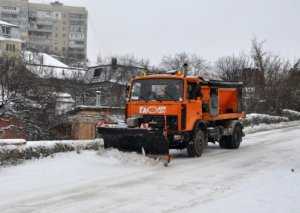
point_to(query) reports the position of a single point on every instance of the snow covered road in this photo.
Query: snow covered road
(256, 178)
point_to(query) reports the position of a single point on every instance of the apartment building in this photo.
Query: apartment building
(51, 28)
(15, 12)
(10, 42)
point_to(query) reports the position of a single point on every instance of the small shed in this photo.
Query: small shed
(81, 122)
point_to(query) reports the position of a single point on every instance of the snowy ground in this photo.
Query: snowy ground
(256, 178)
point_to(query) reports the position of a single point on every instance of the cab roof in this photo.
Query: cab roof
(168, 76)
(177, 75)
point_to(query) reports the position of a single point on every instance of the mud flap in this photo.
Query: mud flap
(135, 140)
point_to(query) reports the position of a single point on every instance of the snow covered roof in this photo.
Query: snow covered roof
(51, 61)
(10, 39)
(46, 66)
(7, 24)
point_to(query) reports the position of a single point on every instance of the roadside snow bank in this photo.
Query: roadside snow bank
(266, 127)
(291, 114)
(256, 119)
(6, 142)
(15, 153)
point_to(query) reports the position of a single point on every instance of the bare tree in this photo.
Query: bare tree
(274, 90)
(126, 59)
(232, 68)
(13, 78)
(175, 62)
(268, 79)
(293, 86)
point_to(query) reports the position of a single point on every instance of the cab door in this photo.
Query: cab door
(193, 104)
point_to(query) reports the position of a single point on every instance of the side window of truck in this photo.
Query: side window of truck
(193, 91)
(214, 105)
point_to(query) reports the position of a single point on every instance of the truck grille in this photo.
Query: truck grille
(158, 121)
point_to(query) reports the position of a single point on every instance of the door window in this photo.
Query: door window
(193, 91)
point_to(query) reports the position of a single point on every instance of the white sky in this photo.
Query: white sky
(209, 28)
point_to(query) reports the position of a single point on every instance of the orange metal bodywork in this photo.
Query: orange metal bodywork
(228, 104)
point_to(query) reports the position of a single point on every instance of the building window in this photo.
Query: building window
(9, 8)
(6, 31)
(10, 47)
(97, 72)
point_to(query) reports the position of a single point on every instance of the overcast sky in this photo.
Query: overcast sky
(210, 28)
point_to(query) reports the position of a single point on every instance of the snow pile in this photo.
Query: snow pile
(127, 158)
(15, 153)
(119, 120)
(266, 127)
(5, 142)
(291, 114)
(256, 119)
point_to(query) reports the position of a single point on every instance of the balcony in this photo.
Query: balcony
(41, 30)
(38, 46)
(39, 40)
(45, 22)
(10, 10)
(5, 35)
(77, 44)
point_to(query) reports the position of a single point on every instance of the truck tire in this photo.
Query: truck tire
(197, 144)
(223, 143)
(233, 141)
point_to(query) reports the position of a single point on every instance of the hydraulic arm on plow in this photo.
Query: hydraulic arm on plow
(174, 111)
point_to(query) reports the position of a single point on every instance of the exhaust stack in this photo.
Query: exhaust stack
(185, 69)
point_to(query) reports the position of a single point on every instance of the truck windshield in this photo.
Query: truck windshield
(157, 89)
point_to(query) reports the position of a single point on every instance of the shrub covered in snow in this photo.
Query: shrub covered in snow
(256, 119)
(291, 114)
(12, 154)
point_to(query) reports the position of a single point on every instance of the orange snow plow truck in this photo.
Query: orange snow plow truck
(175, 111)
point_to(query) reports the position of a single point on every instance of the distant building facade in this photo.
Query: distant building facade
(51, 28)
(10, 42)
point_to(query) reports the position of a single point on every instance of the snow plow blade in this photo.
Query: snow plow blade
(134, 140)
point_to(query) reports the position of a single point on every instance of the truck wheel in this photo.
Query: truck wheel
(224, 142)
(236, 138)
(197, 144)
(233, 141)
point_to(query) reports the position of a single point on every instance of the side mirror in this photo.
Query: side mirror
(127, 90)
(198, 93)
